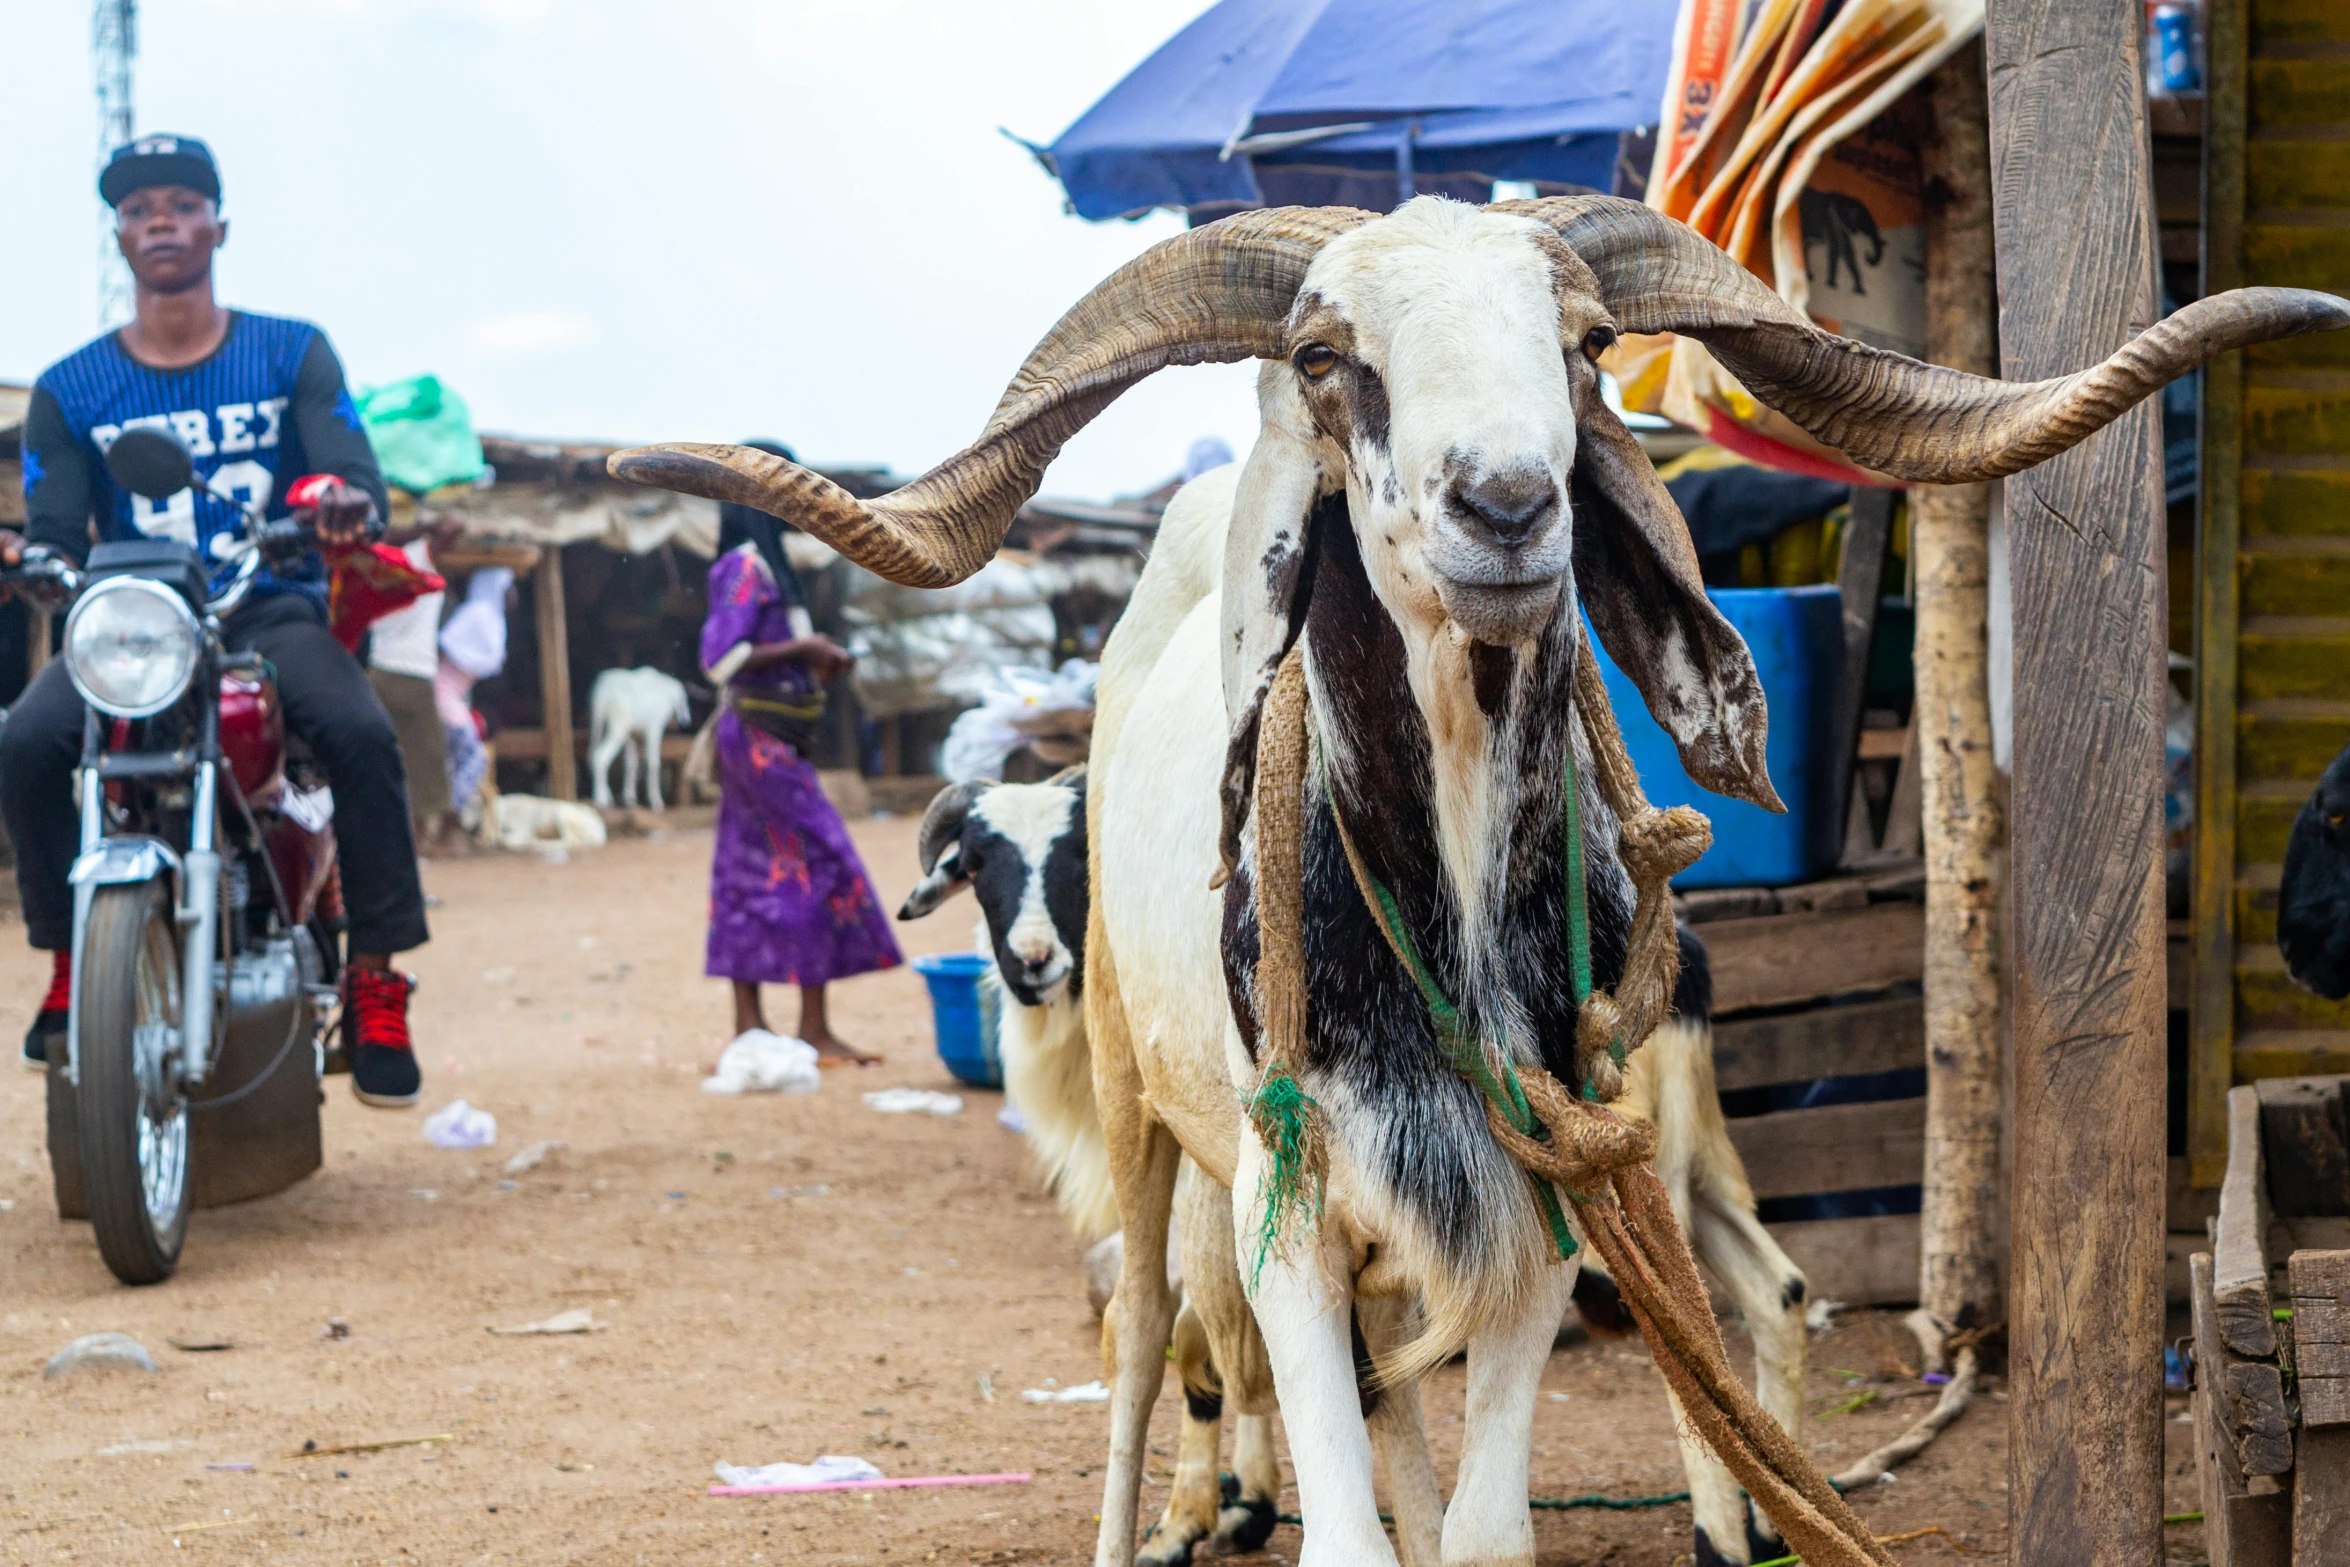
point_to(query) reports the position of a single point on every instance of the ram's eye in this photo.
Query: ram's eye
(1317, 360)
(1598, 341)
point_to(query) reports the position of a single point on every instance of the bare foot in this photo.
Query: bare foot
(834, 1052)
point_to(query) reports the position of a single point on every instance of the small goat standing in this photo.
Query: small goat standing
(632, 709)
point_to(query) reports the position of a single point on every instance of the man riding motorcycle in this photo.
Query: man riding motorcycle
(259, 403)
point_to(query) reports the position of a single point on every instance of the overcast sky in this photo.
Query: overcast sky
(603, 219)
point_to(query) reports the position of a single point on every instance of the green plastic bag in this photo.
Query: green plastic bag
(422, 433)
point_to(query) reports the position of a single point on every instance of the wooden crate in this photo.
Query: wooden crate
(1817, 985)
(2272, 1332)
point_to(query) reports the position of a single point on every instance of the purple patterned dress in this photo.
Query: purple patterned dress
(789, 900)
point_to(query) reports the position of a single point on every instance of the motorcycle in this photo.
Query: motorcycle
(207, 927)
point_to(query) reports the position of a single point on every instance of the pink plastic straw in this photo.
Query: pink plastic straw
(867, 1485)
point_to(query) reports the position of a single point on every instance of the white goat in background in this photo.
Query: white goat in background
(632, 709)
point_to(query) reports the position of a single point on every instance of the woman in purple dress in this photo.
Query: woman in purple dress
(790, 903)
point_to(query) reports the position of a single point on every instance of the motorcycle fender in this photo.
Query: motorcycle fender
(127, 859)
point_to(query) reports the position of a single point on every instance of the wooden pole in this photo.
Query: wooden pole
(2075, 242)
(1958, 1264)
(555, 677)
(2211, 1053)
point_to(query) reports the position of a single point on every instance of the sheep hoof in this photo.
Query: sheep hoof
(1166, 1548)
(1708, 1556)
(1243, 1527)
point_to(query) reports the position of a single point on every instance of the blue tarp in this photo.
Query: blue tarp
(1503, 89)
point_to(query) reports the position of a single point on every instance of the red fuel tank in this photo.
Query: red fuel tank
(253, 734)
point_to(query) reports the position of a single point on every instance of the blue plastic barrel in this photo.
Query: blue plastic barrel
(1797, 638)
(963, 1014)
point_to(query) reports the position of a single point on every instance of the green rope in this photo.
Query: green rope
(1280, 1111)
(1465, 1052)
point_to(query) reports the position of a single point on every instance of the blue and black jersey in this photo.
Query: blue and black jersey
(264, 409)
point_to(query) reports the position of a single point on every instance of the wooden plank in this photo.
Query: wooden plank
(2291, 739)
(2252, 1396)
(2292, 1052)
(1859, 583)
(2281, 22)
(2321, 1499)
(1861, 1262)
(2320, 1284)
(2086, 530)
(2291, 502)
(2286, 175)
(1836, 1148)
(2281, 255)
(555, 679)
(2293, 664)
(1781, 959)
(2288, 95)
(1795, 1047)
(2267, 998)
(2302, 1140)
(2296, 584)
(2240, 1529)
(2240, 1236)
(2264, 822)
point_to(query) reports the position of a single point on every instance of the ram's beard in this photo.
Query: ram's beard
(1503, 615)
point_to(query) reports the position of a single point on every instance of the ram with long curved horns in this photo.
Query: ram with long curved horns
(1436, 489)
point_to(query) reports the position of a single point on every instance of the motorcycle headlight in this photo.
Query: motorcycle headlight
(131, 646)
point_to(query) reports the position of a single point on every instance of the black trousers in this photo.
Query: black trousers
(328, 702)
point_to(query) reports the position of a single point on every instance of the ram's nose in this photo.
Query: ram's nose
(1508, 506)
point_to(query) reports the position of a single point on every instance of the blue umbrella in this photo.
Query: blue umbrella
(1316, 101)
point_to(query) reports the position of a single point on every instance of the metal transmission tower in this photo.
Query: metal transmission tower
(114, 44)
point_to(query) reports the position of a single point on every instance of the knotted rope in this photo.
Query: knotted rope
(1565, 1141)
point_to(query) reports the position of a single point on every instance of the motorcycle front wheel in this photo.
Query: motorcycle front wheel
(133, 1115)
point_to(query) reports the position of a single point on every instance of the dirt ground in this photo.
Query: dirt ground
(782, 1277)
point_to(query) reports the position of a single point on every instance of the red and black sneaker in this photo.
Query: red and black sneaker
(375, 1037)
(49, 1022)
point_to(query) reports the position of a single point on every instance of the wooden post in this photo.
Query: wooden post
(555, 677)
(2211, 1050)
(1860, 582)
(1958, 1261)
(2075, 241)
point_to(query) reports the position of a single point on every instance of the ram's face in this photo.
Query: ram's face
(1445, 354)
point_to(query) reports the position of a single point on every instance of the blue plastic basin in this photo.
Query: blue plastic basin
(1797, 638)
(963, 1015)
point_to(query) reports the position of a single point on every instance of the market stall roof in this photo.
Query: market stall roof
(1282, 95)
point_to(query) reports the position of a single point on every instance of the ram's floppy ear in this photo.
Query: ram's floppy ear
(1268, 572)
(1636, 574)
(940, 847)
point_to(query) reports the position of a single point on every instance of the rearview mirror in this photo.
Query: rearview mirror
(150, 462)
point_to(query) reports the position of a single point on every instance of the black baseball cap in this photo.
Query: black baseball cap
(159, 160)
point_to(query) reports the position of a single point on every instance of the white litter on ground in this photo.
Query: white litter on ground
(1011, 1120)
(914, 1101)
(1083, 1393)
(459, 1125)
(99, 1350)
(760, 1062)
(577, 1320)
(830, 1469)
(532, 1157)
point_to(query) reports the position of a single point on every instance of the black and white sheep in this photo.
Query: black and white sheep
(1020, 848)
